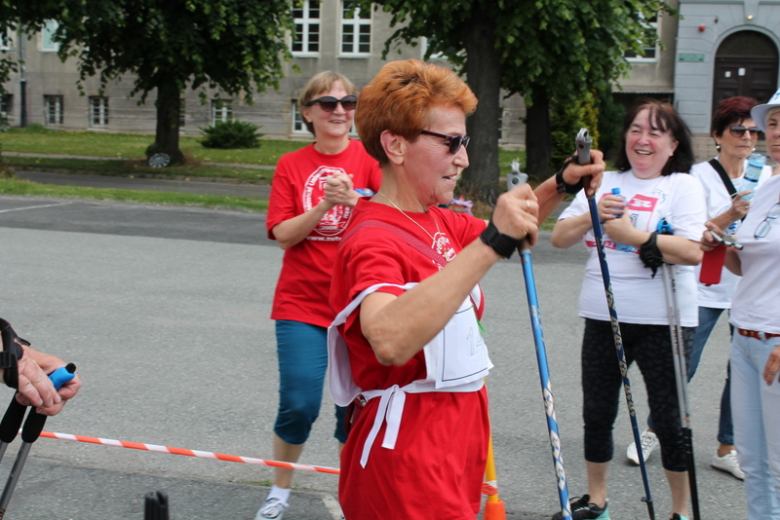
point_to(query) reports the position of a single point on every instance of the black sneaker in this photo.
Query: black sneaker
(582, 509)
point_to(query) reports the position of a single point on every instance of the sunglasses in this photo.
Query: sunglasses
(453, 141)
(328, 103)
(738, 130)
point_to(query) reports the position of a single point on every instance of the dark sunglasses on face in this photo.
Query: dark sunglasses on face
(453, 141)
(739, 130)
(328, 103)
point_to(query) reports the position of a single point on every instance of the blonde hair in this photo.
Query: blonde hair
(400, 99)
(319, 83)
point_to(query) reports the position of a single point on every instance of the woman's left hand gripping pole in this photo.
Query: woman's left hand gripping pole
(33, 427)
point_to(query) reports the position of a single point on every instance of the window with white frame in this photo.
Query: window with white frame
(6, 105)
(355, 30)
(47, 37)
(221, 110)
(52, 110)
(650, 53)
(298, 126)
(98, 112)
(6, 41)
(306, 39)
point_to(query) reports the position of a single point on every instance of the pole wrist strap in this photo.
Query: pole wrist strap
(502, 244)
(11, 354)
(650, 255)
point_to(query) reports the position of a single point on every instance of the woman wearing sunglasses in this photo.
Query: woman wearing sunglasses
(735, 134)
(406, 348)
(755, 348)
(312, 198)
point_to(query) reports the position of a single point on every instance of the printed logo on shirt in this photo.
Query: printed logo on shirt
(441, 244)
(334, 221)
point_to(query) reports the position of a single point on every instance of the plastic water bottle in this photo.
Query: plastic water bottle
(625, 248)
(755, 164)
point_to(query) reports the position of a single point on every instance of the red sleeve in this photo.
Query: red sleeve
(282, 201)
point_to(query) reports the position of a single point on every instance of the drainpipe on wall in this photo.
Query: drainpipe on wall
(22, 82)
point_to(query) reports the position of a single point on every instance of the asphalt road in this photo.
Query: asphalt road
(165, 312)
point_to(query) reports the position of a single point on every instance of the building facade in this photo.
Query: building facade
(716, 49)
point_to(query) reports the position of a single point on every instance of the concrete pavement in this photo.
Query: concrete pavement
(165, 312)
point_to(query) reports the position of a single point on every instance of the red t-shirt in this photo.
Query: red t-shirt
(439, 457)
(298, 185)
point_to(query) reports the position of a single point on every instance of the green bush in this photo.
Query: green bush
(231, 134)
(611, 116)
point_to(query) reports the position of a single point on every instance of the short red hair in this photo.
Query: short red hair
(400, 99)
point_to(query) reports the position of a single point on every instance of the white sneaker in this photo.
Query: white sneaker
(273, 509)
(649, 443)
(728, 463)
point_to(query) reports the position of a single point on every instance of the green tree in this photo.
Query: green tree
(235, 45)
(542, 49)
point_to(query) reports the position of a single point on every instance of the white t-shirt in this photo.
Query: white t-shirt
(640, 298)
(719, 296)
(756, 303)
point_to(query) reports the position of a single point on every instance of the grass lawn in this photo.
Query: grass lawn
(133, 146)
(18, 187)
(38, 139)
(138, 168)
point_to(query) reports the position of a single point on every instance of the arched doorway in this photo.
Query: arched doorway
(745, 65)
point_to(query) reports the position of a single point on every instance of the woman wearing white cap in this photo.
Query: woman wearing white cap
(755, 349)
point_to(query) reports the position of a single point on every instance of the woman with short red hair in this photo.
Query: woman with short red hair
(406, 349)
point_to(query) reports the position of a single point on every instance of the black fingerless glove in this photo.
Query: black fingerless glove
(650, 255)
(502, 244)
(11, 354)
(560, 184)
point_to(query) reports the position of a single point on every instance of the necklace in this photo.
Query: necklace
(410, 218)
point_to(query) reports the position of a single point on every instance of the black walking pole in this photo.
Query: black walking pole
(583, 142)
(33, 427)
(680, 369)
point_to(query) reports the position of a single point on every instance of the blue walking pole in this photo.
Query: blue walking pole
(613, 318)
(515, 178)
(544, 375)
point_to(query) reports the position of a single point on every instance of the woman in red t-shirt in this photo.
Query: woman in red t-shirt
(406, 344)
(312, 196)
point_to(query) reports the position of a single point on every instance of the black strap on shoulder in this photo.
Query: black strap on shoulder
(724, 177)
(11, 354)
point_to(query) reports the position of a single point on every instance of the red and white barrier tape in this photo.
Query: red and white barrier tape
(189, 453)
(488, 488)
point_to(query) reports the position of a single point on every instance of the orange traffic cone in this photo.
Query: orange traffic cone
(494, 507)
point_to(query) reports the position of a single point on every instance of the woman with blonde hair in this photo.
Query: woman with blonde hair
(313, 194)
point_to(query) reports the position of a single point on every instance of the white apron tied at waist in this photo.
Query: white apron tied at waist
(456, 360)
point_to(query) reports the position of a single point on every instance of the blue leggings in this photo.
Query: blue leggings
(302, 349)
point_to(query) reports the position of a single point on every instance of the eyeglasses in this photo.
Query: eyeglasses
(328, 103)
(453, 141)
(762, 230)
(738, 131)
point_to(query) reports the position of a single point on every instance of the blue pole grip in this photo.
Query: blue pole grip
(62, 375)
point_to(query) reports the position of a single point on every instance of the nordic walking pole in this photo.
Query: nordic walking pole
(583, 143)
(544, 370)
(680, 369)
(32, 429)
